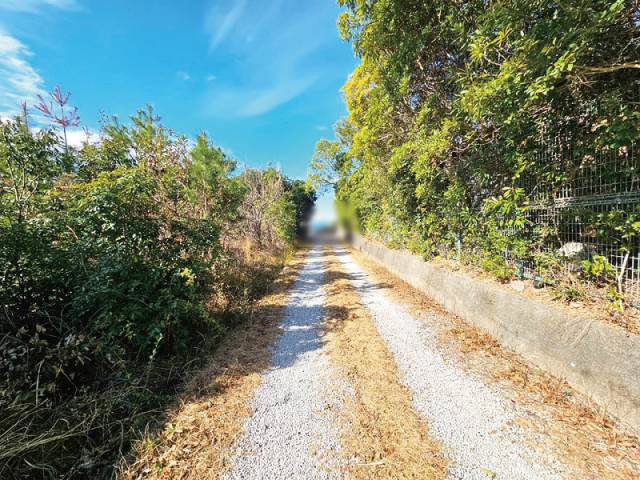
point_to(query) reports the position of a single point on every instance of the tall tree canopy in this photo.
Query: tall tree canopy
(455, 106)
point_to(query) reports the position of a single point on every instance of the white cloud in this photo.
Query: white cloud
(269, 48)
(184, 76)
(321, 128)
(250, 102)
(34, 6)
(78, 137)
(211, 78)
(265, 100)
(219, 22)
(19, 81)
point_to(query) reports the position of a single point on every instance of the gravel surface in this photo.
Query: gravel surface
(289, 435)
(473, 420)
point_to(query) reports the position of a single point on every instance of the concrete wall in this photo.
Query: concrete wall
(597, 359)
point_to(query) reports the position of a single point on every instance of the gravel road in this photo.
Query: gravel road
(472, 420)
(290, 435)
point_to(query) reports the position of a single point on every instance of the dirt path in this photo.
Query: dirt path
(360, 381)
(556, 420)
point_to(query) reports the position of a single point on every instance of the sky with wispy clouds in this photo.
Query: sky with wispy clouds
(262, 77)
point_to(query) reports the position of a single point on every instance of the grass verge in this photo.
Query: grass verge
(382, 435)
(85, 432)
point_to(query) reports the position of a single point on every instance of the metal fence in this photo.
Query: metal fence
(568, 214)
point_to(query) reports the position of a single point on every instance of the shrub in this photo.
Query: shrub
(497, 267)
(274, 210)
(598, 269)
(112, 277)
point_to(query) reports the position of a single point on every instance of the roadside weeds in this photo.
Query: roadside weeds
(197, 439)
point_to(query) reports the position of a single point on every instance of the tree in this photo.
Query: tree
(263, 190)
(214, 189)
(63, 118)
(331, 160)
(455, 104)
(113, 273)
(303, 198)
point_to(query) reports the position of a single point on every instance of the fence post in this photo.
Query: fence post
(458, 246)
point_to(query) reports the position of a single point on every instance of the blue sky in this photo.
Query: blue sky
(261, 77)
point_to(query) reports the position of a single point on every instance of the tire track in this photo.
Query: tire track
(473, 421)
(290, 435)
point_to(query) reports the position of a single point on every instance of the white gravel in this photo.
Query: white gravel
(290, 434)
(473, 420)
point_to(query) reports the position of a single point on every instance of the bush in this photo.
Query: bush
(113, 277)
(275, 209)
(598, 269)
(497, 267)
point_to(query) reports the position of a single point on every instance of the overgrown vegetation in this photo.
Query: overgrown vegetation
(468, 119)
(121, 262)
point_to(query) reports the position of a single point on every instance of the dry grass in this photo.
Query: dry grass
(581, 433)
(382, 435)
(196, 440)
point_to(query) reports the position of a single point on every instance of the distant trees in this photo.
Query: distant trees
(275, 209)
(211, 182)
(304, 199)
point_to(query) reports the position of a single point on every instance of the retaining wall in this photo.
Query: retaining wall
(597, 359)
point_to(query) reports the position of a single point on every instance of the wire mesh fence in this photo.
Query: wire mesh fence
(586, 214)
(582, 219)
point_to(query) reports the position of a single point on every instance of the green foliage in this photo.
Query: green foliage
(548, 265)
(275, 210)
(619, 227)
(598, 269)
(283, 213)
(569, 293)
(210, 184)
(452, 105)
(498, 267)
(112, 269)
(303, 198)
(509, 208)
(324, 163)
